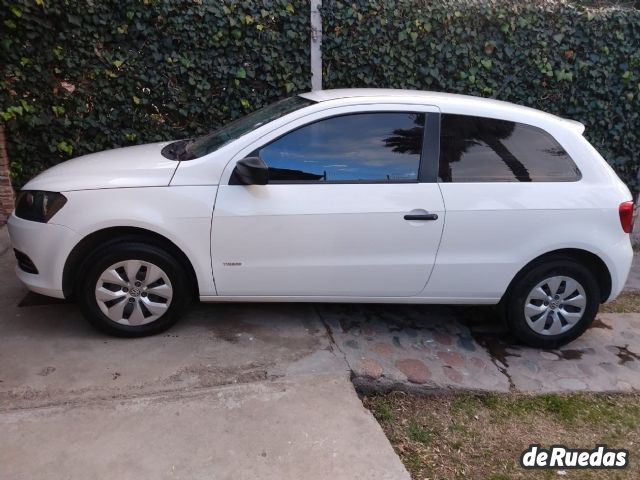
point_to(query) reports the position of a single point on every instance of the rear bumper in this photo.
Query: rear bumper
(618, 259)
(48, 247)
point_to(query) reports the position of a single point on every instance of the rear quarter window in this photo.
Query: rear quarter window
(478, 149)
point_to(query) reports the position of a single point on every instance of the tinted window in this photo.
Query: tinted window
(367, 147)
(476, 149)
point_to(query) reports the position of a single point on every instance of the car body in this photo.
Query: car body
(407, 197)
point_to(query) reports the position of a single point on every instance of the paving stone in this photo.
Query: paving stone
(586, 369)
(451, 358)
(478, 363)
(415, 370)
(528, 384)
(549, 355)
(452, 374)
(434, 350)
(368, 332)
(382, 349)
(370, 368)
(531, 366)
(609, 367)
(442, 338)
(571, 384)
(623, 386)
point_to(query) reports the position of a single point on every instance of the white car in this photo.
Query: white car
(352, 195)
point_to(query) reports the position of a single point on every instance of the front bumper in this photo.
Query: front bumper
(48, 246)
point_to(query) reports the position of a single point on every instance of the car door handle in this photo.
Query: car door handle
(426, 216)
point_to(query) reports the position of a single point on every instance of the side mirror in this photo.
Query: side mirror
(251, 171)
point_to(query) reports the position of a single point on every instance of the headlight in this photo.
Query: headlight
(39, 206)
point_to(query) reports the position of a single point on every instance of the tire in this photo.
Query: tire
(566, 314)
(157, 296)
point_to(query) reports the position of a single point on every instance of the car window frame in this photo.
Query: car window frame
(429, 157)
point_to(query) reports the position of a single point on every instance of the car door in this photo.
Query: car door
(352, 208)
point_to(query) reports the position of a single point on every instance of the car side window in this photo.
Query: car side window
(477, 149)
(364, 147)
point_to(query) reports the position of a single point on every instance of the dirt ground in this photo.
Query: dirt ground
(482, 436)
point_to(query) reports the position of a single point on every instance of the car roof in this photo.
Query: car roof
(448, 102)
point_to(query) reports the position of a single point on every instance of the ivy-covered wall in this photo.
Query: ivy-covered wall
(82, 75)
(577, 62)
(79, 76)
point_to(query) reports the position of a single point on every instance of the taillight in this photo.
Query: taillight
(626, 216)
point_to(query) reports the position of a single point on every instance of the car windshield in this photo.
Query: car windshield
(235, 129)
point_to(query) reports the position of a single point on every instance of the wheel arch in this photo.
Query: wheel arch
(590, 260)
(110, 235)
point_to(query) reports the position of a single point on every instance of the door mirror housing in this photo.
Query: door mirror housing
(251, 171)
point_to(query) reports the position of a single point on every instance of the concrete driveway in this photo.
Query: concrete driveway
(256, 390)
(233, 392)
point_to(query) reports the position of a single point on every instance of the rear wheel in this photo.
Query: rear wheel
(553, 303)
(133, 289)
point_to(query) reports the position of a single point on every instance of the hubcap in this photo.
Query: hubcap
(555, 305)
(134, 292)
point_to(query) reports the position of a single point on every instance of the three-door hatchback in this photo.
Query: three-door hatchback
(344, 196)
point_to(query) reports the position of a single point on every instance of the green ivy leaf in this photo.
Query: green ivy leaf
(563, 75)
(486, 63)
(65, 147)
(241, 73)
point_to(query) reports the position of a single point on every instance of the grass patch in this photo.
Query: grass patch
(627, 302)
(419, 434)
(383, 412)
(478, 436)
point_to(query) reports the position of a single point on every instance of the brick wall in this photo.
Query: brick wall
(6, 191)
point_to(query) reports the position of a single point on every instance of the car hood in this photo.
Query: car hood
(139, 166)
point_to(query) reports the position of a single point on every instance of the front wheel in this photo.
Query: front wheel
(133, 289)
(552, 304)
